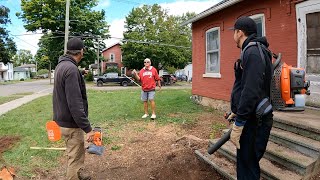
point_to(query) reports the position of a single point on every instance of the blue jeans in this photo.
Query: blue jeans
(253, 143)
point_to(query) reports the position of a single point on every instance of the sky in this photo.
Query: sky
(116, 11)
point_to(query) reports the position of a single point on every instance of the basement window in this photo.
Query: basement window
(213, 53)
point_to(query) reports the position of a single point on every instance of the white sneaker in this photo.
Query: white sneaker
(145, 116)
(153, 116)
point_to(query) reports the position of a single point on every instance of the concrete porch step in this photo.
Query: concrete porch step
(296, 142)
(289, 158)
(306, 123)
(274, 153)
(223, 166)
(269, 170)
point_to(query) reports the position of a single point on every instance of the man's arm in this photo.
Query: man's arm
(136, 74)
(74, 100)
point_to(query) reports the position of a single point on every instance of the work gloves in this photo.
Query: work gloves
(235, 134)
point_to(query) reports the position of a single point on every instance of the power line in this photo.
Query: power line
(24, 41)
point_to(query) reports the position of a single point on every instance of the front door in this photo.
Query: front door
(308, 28)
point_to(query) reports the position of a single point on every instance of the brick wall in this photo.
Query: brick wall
(116, 50)
(280, 26)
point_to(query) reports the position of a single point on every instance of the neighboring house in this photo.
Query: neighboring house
(113, 58)
(187, 71)
(20, 73)
(6, 71)
(291, 27)
(29, 67)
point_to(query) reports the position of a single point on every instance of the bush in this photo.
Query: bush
(33, 75)
(21, 79)
(89, 76)
(43, 71)
(114, 70)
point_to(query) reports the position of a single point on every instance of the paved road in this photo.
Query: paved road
(39, 86)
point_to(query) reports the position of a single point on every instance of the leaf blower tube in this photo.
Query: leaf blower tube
(213, 148)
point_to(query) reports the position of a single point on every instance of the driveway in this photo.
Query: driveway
(38, 86)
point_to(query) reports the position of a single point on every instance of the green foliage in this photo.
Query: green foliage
(33, 74)
(89, 76)
(153, 24)
(115, 70)
(171, 70)
(7, 45)
(43, 71)
(49, 17)
(23, 57)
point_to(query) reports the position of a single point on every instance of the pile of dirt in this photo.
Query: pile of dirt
(146, 150)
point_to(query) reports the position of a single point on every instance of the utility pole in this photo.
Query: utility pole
(66, 30)
(98, 54)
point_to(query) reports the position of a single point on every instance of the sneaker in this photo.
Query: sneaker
(153, 116)
(145, 116)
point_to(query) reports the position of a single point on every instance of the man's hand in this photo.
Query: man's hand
(235, 135)
(90, 136)
(231, 116)
(159, 88)
(134, 72)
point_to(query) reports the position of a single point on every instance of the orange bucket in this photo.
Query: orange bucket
(53, 131)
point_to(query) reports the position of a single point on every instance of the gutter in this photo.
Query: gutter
(216, 8)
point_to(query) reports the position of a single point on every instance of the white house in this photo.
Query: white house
(21, 73)
(6, 71)
(188, 71)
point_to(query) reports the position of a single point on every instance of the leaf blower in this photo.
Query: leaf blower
(96, 146)
(289, 86)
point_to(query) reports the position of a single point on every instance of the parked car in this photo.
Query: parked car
(43, 76)
(182, 78)
(112, 78)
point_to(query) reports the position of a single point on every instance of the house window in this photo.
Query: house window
(112, 57)
(259, 19)
(213, 53)
(123, 70)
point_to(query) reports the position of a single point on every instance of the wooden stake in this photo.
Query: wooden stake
(52, 148)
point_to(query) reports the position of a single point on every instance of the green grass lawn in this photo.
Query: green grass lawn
(107, 109)
(4, 99)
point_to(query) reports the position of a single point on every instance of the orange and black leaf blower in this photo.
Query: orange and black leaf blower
(289, 86)
(96, 146)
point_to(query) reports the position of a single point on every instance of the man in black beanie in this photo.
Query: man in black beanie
(253, 74)
(70, 108)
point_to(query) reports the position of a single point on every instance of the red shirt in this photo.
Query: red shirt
(148, 78)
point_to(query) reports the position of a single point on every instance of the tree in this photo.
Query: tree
(49, 17)
(23, 57)
(152, 33)
(7, 46)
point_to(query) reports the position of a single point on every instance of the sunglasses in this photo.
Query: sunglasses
(147, 62)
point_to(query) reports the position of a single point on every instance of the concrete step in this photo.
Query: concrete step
(306, 123)
(269, 169)
(296, 142)
(289, 158)
(223, 166)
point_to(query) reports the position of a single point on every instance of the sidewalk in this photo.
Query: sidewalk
(6, 107)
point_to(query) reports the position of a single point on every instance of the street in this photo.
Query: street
(39, 86)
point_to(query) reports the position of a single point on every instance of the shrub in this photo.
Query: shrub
(89, 76)
(21, 79)
(43, 71)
